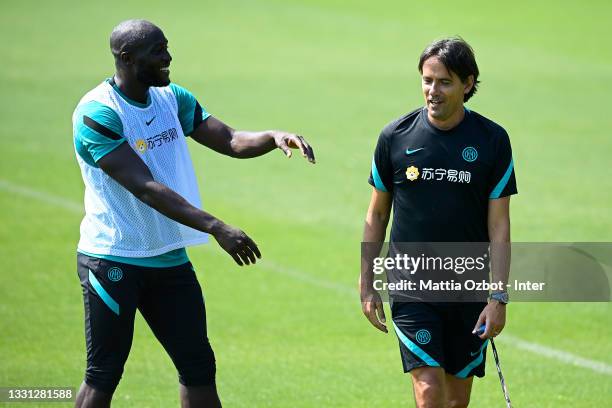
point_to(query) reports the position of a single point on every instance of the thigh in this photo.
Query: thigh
(465, 352)
(110, 294)
(429, 386)
(420, 332)
(173, 306)
(458, 390)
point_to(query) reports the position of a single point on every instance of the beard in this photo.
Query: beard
(149, 77)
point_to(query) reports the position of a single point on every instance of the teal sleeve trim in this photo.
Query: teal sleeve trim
(167, 260)
(89, 142)
(503, 182)
(106, 298)
(102, 114)
(81, 149)
(376, 177)
(188, 108)
(414, 349)
(475, 363)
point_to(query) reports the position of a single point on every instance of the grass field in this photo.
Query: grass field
(289, 332)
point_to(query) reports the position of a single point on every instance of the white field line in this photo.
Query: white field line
(559, 355)
(313, 280)
(508, 339)
(42, 196)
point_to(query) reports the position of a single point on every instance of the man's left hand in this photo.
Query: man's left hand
(287, 141)
(494, 317)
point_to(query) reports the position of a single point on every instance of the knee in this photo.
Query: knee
(429, 393)
(197, 369)
(430, 397)
(458, 393)
(104, 379)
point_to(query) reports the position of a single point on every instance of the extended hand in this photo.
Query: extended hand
(287, 141)
(494, 316)
(236, 243)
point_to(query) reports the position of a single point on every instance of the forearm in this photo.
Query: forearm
(226, 140)
(172, 205)
(499, 236)
(374, 232)
(245, 144)
(127, 169)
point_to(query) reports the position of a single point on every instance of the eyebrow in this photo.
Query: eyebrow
(158, 44)
(445, 78)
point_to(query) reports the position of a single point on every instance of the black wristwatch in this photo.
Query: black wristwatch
(501, 297)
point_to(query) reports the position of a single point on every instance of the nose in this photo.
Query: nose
(434, 88)
(167, 57)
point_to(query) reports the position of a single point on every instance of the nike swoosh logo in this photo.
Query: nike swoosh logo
(149, 121)
(474, 353)
(408, 151)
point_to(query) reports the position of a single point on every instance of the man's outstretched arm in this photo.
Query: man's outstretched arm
(243, 144)
(127, 169)
(374, 231)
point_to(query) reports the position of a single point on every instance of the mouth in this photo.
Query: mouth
(435, 102)
(165, 70)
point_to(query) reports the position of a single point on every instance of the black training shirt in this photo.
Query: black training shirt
(442, 181)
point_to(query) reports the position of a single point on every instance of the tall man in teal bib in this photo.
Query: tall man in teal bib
(142, 208)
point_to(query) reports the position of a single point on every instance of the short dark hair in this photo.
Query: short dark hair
(457, 56)
(129, 35)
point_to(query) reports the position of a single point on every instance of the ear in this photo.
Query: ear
(468, 84)
(125, 58)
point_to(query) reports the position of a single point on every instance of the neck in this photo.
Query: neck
(449, 122)
(131, 87)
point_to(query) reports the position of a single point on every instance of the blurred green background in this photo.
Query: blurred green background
(289, 331)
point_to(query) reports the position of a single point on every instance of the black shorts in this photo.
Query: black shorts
(440, 335)
(170, 300)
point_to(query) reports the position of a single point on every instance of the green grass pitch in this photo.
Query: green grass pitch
(289, 332)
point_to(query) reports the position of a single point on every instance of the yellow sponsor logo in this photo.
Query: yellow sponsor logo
(141, 145)
(412, 173)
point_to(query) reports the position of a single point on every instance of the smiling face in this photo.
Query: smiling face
(444, 93)
(151, 60)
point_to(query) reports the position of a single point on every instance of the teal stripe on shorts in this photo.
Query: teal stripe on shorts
(167, 260)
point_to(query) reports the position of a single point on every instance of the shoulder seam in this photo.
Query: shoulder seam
(394, 124)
